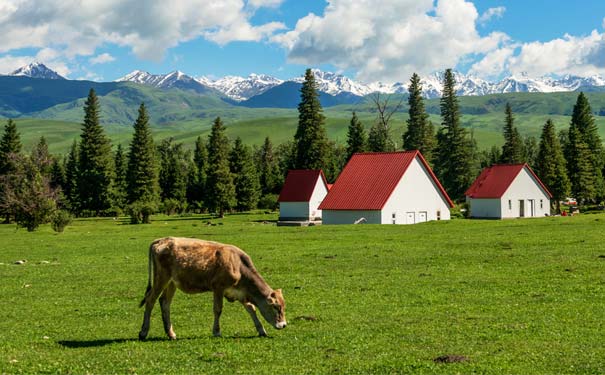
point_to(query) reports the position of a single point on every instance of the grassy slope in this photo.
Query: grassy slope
(517, 296)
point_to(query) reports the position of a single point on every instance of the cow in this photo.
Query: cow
(196, 266)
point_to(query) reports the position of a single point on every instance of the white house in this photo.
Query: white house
(508, 191)
(386, 188)
(301, 195)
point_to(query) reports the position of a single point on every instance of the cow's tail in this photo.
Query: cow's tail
(149, 271)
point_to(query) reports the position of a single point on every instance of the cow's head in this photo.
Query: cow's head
(273, 309)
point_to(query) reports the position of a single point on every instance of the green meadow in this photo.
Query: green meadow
(463, 296)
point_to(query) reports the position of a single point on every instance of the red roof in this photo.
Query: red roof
(299, 185)
(495, 180)
(368, 180)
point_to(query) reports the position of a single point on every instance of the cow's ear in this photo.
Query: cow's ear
(279, 291)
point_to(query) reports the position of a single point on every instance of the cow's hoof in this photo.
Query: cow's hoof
(262, 334)
(142, 336)
(172, 338)
(217, 334)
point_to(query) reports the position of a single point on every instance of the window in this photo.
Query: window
(438, 215)
(541, 204)
(510, 204)
(394, 218)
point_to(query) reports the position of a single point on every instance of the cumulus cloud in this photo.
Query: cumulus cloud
(102, 59)
(48, 56)
(568, 55)
(149, 27)
(389, 39)
(491, 13)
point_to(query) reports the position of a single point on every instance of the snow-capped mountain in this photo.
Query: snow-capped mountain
(334, 84)
(242, 88)
(36, 70)
(176, 79)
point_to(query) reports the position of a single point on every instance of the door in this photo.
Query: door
(521, 208)
(410, 218)
(422, 216)
(532, 207)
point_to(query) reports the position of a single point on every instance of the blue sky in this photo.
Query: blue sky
(369, 40)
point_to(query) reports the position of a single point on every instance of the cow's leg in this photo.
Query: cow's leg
(159, 284)
(252, 311)
(165, 300)
(218, 309)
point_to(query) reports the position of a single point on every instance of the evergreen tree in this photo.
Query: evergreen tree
(95, 160)
(41, 157)
(142, 180)
(70, 188)
(579, 166)
(198, 173)
(356, 137)
(512, 150)
(530, 150)
(269, 172)
(420, 133)
(120, 186)
(173, 171)
(9, 144)
(220, 191)
(245, 177)
(550, 164)
(583, 120)
(337, 158)
(454, 164)
(57, 174)
(487, 158)
(310, 137)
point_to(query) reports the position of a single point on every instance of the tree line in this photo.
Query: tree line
(221, 175)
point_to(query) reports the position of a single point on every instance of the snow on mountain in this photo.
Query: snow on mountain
(36, 70)
(242, 88)
(334, 84)
(176, 79)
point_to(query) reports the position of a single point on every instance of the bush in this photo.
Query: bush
(140, 212)
(172, 206)
(268, 202)
(60, 220)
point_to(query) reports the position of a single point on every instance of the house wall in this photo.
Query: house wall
(416, 198)
(350, 216)
(319, 193)
(525, 188)
(294, 210)
(485, 208)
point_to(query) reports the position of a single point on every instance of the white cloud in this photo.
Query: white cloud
(389, 39)
(102, 59)
(48, 56)
(494, 63)
(149, 28)
(496, 12)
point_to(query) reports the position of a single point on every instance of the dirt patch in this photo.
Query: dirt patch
(451, 358)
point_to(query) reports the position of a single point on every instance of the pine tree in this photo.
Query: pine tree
(9, 144)
(173, 174)
(310, 137)
(356, 137)
(41, 157)
(245, 177)
(454, 161)
(57, 174)
(269, 172)
(583, 120)
(420, 133)
(512, 150)
(70, 188)
(95, 160)
(198, 173)
(579, 166)
(550, 164)
(141, 176)
(220, 191)
(120, 186)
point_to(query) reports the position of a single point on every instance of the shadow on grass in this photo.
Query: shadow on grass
(76, 344)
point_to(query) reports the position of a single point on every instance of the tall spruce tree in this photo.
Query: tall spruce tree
(120, 186)
(454, 163)
(245, 177)
(310, 138)
(95, 160)
(174, 165)
(70, 189)
(41, 157)
(579, 166)
(512, 150)
(420, 133)
(9, 144)
(583, 120)
(356, 137)
(550, 165)
(142, 180)
(269, 171)
(220, 191)
(198, 173)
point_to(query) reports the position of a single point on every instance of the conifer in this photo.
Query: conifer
(550, 165)
(356, 137)
(419, 134)
(269, 172)
(512, 150)
(220, 191)
(245, 177)
(142, 180)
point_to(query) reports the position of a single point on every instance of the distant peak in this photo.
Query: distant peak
(36, 69)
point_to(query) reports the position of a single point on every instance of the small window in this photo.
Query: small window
(394, 218)
(510, 204)
(541, 204)
(394, 215)
(438, 215)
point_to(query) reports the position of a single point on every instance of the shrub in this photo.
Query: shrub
(268, 202)
(140, 212)
(60, 220)
(172, 206)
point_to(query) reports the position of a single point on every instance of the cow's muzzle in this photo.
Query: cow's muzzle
(280, 325)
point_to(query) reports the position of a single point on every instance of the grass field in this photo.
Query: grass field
(511, 297)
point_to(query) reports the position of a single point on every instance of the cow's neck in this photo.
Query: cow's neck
(256, 288)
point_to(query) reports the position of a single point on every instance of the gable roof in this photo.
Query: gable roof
(495, 180)
(299, 185)
(368, 180)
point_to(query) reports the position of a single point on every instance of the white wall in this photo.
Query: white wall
(524, 187)
(350, 216)
(416, 198)
(485, 208)
(294, 210)
(319, 193)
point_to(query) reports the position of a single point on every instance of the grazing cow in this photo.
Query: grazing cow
(196, 266)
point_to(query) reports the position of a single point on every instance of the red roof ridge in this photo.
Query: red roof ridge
(300, 184)
(490, 185)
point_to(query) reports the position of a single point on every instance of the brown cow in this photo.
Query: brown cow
(196, 266)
